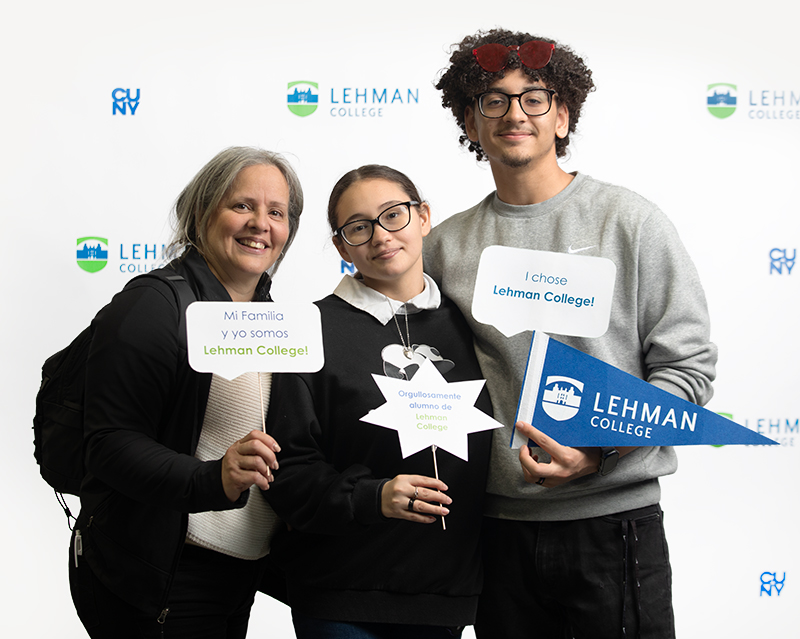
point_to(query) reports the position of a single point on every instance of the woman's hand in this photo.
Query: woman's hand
(415, 498)
(249, 461)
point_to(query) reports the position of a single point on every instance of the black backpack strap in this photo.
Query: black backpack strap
(184, 295)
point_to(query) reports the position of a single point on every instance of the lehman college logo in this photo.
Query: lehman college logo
(92, 253)
(303, 97)
(721, 100)
(561, 398)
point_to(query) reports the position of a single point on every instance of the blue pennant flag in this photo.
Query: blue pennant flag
(581, 401)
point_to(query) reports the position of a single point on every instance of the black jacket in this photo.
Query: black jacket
(144, 411)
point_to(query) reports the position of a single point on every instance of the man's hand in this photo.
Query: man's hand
(565, 465)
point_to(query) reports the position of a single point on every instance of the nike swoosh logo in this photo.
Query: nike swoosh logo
(571, 250)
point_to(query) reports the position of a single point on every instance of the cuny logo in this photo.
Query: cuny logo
(303, 97)
(124, 100)
(561, 398)
(770, 583)
(721, 99)
(781, 260)
(92, 253)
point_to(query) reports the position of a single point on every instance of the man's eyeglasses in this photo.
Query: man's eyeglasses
(494, 104)
(494, 57)
(393, 219)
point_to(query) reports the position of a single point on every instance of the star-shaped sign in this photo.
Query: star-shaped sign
(427, 410)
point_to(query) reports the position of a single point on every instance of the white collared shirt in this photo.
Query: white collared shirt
(353, 291)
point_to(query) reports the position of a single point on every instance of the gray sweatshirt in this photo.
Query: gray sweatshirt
(659, 330)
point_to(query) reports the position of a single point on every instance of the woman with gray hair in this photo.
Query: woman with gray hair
(169, 541)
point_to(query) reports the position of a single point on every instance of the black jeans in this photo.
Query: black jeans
(210, 598)
(606, 577)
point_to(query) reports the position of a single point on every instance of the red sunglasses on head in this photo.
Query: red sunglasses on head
(534, 54)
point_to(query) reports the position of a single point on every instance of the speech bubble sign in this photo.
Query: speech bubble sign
(520, 290)
(231, 338)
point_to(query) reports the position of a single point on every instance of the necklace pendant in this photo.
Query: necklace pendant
(408, 352)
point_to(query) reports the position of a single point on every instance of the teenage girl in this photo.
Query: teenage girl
(367, 554)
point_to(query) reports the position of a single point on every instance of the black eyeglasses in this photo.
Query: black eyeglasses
(393, 219)
(494, 104)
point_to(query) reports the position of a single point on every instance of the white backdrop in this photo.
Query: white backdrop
(209, 75)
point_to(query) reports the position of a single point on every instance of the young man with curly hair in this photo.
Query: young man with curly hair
(574, 541)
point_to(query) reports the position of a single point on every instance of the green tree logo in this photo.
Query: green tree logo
(302, 97)
(721, 100)
(92, 253)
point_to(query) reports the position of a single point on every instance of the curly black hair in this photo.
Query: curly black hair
(464, 79)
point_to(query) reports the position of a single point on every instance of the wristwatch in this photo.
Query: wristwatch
(609, 456)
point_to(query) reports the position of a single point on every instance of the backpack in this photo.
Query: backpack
(58, 422)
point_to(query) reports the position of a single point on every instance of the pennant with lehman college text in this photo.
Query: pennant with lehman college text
(579, 400)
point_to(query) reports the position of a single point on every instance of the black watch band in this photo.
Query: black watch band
(609, 456)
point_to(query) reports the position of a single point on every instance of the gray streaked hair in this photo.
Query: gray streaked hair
(202, 196)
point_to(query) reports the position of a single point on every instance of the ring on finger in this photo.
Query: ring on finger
(410, 506)
(540, 482)
(416, 492)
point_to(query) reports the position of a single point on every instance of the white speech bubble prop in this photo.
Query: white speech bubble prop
(231, 338)
(520, 290)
